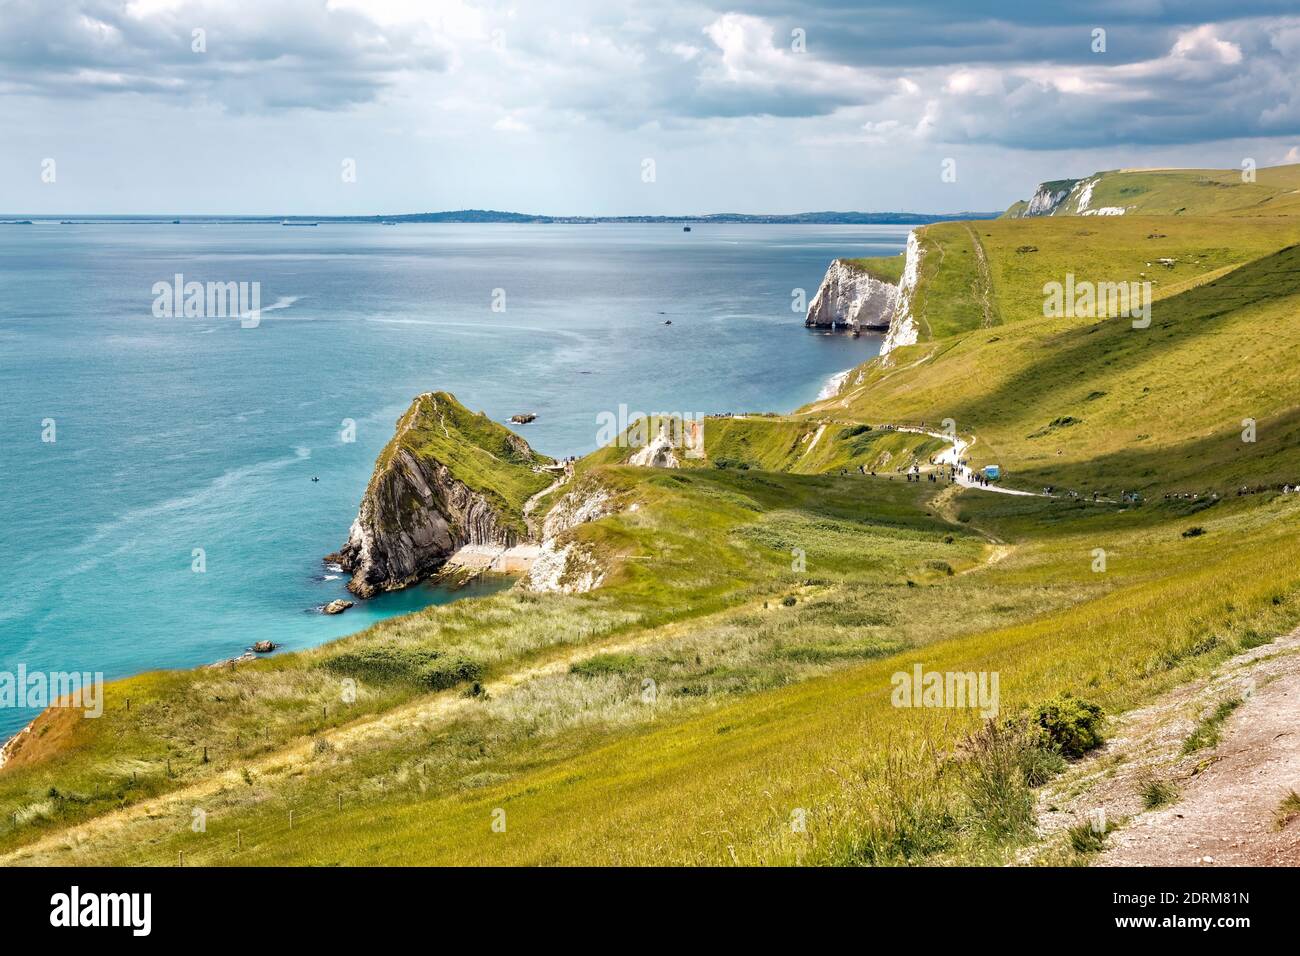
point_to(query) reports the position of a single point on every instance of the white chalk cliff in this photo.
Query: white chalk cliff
(1069, 197)
(842, 293)
(902, 325)
(850, 297)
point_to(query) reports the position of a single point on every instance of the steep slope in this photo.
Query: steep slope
(1096, 404)
(446, 479)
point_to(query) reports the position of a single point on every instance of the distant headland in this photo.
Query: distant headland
(495, 216)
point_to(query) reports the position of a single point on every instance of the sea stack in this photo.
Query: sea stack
(851, 298)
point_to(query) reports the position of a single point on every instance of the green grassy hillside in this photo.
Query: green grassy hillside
(1098, 404)
(1182, 192)
(485, 455)
(733, 673)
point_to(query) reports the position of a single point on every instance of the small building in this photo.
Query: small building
(992, 472)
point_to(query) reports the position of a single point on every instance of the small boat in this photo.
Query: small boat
(686, 228)
(286, 222)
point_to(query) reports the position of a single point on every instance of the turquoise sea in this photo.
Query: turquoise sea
(176, 434)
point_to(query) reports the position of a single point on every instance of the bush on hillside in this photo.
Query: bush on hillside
(1072, 726)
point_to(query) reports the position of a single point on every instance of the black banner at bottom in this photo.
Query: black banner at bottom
(338, 905)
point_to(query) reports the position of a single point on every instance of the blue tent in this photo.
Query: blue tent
(992, 472)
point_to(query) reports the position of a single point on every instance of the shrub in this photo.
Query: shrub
(1086, 838)
(1287, 810)
(787, 601)
(1072, 726)
(1194, 532)
(450, 672)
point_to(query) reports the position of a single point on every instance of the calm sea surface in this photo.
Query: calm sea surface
(176, 434)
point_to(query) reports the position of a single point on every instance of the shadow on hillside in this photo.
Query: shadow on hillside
(1097, 351)
(1221, 462)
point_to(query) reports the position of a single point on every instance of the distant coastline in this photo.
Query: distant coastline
(494, 216)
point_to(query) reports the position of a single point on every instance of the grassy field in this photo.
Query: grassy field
(725, 696)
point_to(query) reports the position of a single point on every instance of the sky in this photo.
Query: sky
(611, 107)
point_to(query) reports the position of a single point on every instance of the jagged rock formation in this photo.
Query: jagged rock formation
(448, 478)
(850, 297)
(565, 565)
(658, 453)
(587, 503)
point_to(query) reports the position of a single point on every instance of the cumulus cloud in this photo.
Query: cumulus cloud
(288, 54)
(1215, 81)
(959, 71)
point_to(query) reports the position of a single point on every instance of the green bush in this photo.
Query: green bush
(1072, 726)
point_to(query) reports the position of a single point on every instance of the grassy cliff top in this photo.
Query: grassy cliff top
(484, 455)
(1275, 191)
(885, 268)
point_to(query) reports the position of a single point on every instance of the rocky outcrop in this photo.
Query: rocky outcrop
(334, 607)
(902, 326)
(850, 297)
(565, 569)
(565, 565)
(659, 452)
(414, 515)
(586, 503)
(416, 511)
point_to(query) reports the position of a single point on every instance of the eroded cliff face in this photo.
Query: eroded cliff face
(564, 564)
(902, 326)
(414, 515)
(1067, 197)
(416, 512)
(850, 297)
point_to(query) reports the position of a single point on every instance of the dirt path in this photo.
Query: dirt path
(531, 504)
(955, 453)
(985, 292)
(1227, 794)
